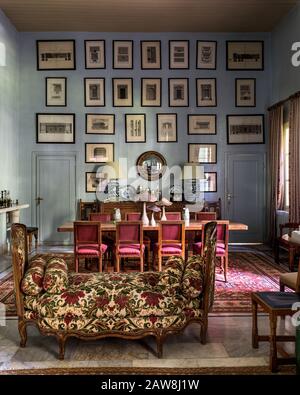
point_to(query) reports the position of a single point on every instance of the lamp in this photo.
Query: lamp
(163, 203)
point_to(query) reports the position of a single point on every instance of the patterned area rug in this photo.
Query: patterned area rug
(248, 272)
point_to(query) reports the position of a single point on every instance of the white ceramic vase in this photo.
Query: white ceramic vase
(153, 223)
(145, 218)
(163, 217)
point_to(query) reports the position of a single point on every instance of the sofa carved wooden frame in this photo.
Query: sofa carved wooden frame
(20, 264)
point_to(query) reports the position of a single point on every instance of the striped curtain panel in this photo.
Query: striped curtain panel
(294, 160)
(276, 169)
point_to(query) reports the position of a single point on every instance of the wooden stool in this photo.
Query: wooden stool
(32, 231)
(276, 304)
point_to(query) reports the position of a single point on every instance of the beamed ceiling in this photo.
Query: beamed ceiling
(146, 15)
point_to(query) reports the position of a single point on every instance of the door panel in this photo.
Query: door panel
(55, 196)
(245, 195)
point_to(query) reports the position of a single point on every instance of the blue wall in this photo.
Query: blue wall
(285, 77)
(33, 101)
(9, 107)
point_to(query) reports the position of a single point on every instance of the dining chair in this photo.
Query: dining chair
(173, 216)
(136, 216)
(280, 243)
(171, 241)
(206, 216)
(290, 280)
(222, 245)
(129, 242)
(88, 242)
(108, 237)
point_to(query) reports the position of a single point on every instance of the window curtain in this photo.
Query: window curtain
(294, 160)
(276, 167)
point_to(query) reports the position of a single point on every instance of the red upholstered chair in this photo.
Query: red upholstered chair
(222, 245)
(173, 216)
(88, 242)
(206, 216)
(108, 237)
(129, 242)
(101, 217)
(146, 240)
(171, 240)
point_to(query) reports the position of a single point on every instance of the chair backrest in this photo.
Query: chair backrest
(129, 232)
(289, 226)
(85, 208)
(133, 216)
(100, 217)
(87, 232)
(213, 207)
(171, 232)
(19, 262)
(210, 238)
(173, 216)
(206, 216)
(222, 232)
(298, 279)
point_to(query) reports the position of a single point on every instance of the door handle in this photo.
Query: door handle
(38, 200)
(229, 197)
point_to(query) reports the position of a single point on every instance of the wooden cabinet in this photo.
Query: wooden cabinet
(85, 208)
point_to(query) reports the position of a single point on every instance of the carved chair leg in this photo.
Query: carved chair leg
(61, 343)
(23, 333)
(254, 325)
(203, 331)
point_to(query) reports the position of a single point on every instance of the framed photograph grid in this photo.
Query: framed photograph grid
(94, 54)
(56, 91)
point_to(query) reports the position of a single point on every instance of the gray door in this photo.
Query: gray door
(55, 196)
(245, 195)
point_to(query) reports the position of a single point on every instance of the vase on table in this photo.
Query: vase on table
(163, 217)
(145, 218)
(153, 223)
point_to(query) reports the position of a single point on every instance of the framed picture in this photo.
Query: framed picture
(202, 153)
(122, 54)
(245, 129)
(151, 92)
(209, 183)
(99, 123)
(99, 152)
(202, 124)
(206, 55)
(94, 54)
(206, 92)
(245, 55)
(166, 128)
(135, 128)
(55, 54)
(150, 55)
(178, 54)
(94, 92)
(55, 128)
(122, 92)
(178, 92)
(56, 91)
(95, 182)
(245, 92)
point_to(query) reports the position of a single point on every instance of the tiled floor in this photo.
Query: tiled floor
(229, 345)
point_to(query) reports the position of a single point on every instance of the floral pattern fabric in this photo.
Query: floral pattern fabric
(56, 276)
(32, 283)
(192, 280)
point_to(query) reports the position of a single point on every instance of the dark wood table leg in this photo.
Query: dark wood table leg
(254, 325)
(291, 258)
(273, 344)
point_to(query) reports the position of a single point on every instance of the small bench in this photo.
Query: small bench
(276, 304)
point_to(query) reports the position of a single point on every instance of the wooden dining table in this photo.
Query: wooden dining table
(193, 226)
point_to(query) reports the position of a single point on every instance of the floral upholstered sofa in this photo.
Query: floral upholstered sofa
(97, 305)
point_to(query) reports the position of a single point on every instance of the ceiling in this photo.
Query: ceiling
(146, 15)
